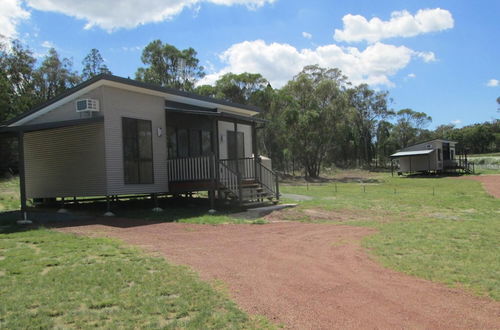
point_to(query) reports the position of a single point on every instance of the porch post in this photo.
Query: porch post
(256, 155)
(392, 166)
(215, 162)
(22, 180)
(240, 192)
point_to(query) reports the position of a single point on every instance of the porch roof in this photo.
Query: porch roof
(216, 113)
(412, 153)
(12, 130)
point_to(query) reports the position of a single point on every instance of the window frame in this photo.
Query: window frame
(191, 133)
(137, 157)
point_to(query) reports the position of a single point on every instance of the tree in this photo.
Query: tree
(54, 76)
(367, 107)
(240, 88)
(409, 126)
(168, 66)
(498, 101)
(16, 80)
(314, 100)
(93, 65)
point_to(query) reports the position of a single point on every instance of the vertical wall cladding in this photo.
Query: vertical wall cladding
(68, 110)
(65, 162)
(225, 126)
(418, 163)
(118, 103)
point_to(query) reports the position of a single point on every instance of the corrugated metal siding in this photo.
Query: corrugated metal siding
(118, 103)
(65, 162)
(68, 110)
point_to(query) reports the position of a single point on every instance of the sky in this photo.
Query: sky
(437, 57)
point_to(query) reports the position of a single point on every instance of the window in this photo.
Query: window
(137, 151)
(183, 143)
(206, 143)
(171, 142)
(194, 143)
(439, 154)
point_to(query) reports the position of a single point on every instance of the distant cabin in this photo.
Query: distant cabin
(436, 156)
(112, 136)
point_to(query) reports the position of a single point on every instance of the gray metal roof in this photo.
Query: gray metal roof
(135, 83)
(412, 153)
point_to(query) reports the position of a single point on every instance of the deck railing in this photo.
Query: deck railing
(268, 179)
(228, 172)
(191, 169)
(244, 166)
(230, 179)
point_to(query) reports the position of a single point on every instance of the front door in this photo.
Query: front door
(236, 150)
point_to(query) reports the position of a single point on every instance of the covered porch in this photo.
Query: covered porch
(217, 152)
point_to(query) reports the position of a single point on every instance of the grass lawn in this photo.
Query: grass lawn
(9, 194)
(441, 229)
(55, 280)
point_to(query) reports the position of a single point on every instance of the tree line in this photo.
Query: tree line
(318, 119)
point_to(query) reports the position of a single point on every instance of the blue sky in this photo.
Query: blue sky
(439, 57)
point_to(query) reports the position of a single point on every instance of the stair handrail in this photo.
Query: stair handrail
(273, 186)
(230, 179)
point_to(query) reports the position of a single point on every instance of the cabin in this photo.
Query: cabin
(112, 136)
(436, 156)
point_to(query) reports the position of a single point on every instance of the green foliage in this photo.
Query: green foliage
(54, 76)
(93, 65)
(314, 103)
(168, 66)
(17, 68)
(55, 280)
(409, 126)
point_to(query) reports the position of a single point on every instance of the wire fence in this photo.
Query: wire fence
(325, 189)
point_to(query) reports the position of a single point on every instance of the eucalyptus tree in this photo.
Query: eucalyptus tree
(168, 66)
(314, 101)
(93, 65)
(16, 79)
(409, 126)
(54, 76)
(367, 107)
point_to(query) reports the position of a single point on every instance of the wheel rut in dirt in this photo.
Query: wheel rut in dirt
(306, 276)
(491, 183)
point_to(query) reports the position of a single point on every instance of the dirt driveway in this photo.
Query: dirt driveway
(306, 276)
(491, 183)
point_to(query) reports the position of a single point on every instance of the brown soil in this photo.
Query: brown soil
(305, 276)
(491, 183)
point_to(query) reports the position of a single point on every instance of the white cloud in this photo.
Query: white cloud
(411, 75)
(402, 24)
(456, 122)
(426, 56)
(280, 62)
(307, 35)
(47, 44)
(11, 14)
(111, 15)
(493, 83)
